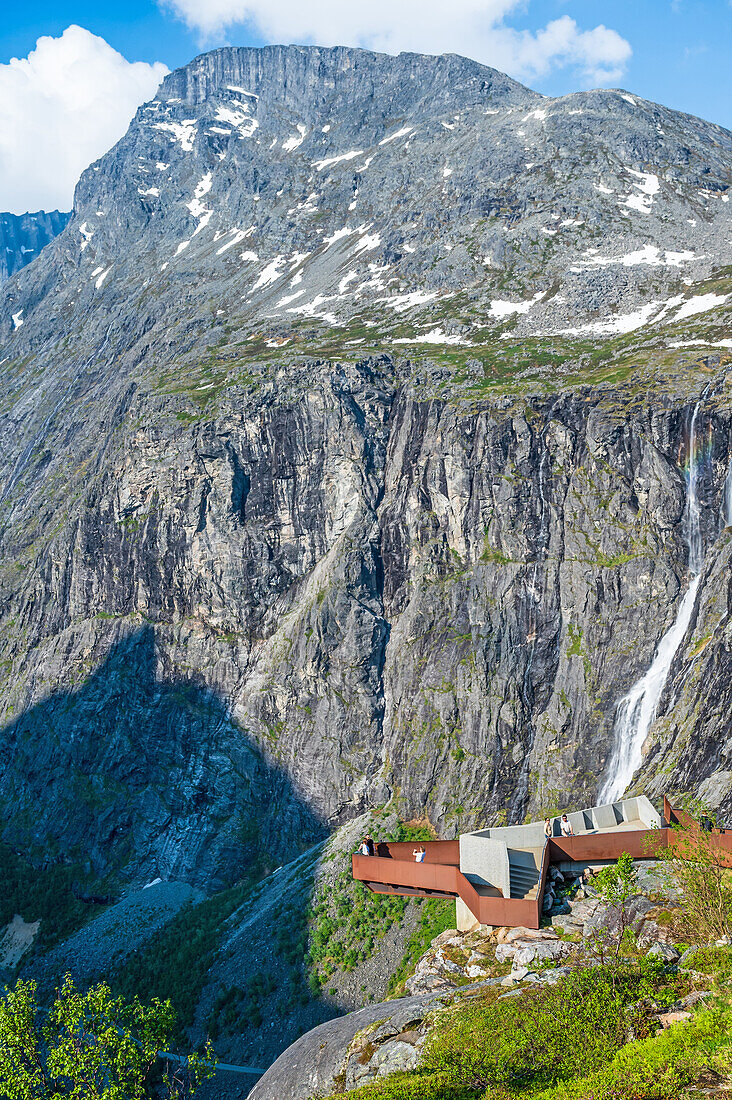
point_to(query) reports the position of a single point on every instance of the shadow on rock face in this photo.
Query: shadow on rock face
(146, 776)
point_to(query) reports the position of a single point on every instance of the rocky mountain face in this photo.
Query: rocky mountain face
(22, 236)
(346, 459)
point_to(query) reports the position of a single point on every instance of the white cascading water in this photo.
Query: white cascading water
(638, 709)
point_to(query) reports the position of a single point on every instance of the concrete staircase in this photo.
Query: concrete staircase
(524, 874)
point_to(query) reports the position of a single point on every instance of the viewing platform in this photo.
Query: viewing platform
(497, 876)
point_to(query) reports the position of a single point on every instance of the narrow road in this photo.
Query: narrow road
(218, 1066)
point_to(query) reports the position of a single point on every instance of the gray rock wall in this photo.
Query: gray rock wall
(313, 606)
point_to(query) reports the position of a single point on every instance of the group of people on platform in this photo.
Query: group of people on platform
(565, 827)
(368, 848)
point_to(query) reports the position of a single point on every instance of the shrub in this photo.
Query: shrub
(615, 885)
(662, 1066)
(693, 863)
(711, 960)
(413, 1086)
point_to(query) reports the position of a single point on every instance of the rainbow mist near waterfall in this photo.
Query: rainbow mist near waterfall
(637, 710)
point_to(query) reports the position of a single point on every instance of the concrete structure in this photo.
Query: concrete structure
(497, 875)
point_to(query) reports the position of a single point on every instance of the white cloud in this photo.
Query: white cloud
(61, 107)
(600, 53)
(476, 28)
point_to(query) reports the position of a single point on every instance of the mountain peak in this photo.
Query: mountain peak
(324, 75)
(309, 184)
(22, 236)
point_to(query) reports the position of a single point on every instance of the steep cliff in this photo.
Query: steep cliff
(343, 441)
(22, 236)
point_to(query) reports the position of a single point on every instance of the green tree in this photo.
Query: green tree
(89, 1046)
(616, 885)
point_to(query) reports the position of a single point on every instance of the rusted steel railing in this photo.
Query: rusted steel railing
(395, 871)
(387, 874)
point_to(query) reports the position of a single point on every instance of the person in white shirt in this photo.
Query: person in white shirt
(566, 826)
(419, 854)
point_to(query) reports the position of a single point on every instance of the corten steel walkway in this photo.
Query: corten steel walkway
(499, 874)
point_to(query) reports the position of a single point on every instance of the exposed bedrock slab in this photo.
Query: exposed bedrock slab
(322, 1059)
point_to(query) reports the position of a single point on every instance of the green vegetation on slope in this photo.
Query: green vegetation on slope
(491, 362)
(46, 894)
(593, 1035)
(346, 924)
(311, 942)
(175, 962)
(436, 916)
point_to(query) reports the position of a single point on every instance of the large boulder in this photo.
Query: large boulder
(350, 1050)
(656, 879)
(651, 932)
(668, 1019)
(606, 918)
(665, 951)
(525, 946)
(541, 952)
(436, 972)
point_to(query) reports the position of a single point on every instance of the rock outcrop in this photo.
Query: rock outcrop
(349, 1051)
(460, 968)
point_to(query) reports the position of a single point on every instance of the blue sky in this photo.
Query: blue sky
(673, 51)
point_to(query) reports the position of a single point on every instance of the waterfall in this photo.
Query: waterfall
(637, 709)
